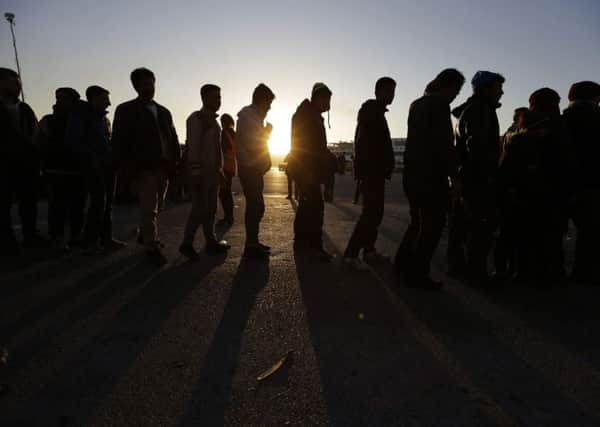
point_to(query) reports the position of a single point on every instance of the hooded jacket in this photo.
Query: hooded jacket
(583, 122)
(478, 143)
(310, 159)
(252, 138)
(373, 151)
(203, 144)
(430, 156)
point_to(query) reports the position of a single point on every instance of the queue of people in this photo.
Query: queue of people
(510, 194)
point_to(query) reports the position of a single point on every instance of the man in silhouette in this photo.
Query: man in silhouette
(145, 141)
(309, 166)
(374, 163)
(254, 161)
(88, 136)
(229, 169)
(478, 147)
(205, 163)
(19, 165)
(429, 170)
(583, 120)
(61, 166)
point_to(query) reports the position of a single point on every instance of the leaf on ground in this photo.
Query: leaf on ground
(266, 374)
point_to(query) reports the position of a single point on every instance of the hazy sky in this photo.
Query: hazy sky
(291, 44)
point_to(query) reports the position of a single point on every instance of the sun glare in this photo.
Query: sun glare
(281, 118)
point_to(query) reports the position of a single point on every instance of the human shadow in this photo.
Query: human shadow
(211, 396)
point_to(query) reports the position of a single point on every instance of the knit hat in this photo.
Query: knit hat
(318, 87)
(485, 78)
(584, 91)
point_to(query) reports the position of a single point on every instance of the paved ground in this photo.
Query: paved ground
(111, 340)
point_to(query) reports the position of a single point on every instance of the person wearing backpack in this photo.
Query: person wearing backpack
(66, 188)
(205, 165)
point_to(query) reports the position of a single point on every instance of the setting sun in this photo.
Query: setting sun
(280, 117)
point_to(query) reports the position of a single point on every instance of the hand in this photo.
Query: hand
(269, 128)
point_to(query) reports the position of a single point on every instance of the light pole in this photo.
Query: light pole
(10, 17)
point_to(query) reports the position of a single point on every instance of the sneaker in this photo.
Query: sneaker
(356, 263)
(156, 257)
(217, 247)
(264, 247)
(321, 254)
(114, 244)
(255, 251)
(374, 257)
(188, 251)
(140, 241)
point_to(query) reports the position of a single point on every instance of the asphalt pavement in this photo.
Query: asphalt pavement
(111, 340)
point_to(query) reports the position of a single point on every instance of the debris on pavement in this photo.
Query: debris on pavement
(266, 374)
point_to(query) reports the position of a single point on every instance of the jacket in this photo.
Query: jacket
(87, 135)
(56, 156)
(143, 141)
(430, 156)
(583, 122)
(203, 144)
(310, 159)
(478, 144)
(252, 141)
(373, 149)
(228, 148)
(16, 140)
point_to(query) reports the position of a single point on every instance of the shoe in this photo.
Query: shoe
(217, 247)
(264, 247)
(156, 257)
(255, 251)
(374, 257)
(289, 197)
(140, 241)
(35, 241)
(425, 283)
(188, 251)
(93, 249)
(113, 244)
(224, 223)
(321, 254)
(355, 263)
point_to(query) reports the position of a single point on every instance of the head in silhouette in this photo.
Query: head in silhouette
(211, 97)
(446, 84)
(545, 101)
(321, 97)
(520, 116)
(143, 82)
(98, 98)
(262, 98)
(385, 89)
(66, 99)
(585, 91)
(227, 122)
(10, 85)
(488, 85)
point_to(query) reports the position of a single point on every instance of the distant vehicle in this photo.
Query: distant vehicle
(282, 166)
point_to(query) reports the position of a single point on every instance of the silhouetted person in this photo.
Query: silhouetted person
(146, 143)
(430, 168)
(88, 135)
(292, 188)
(505, 250)
(205, 164)
(478, 147)
(583, 120)
(62, 169)
(309, 166)
(329, 184)
(228, 142)
(374, 163)
(254, 161)
(19, 165)
(538, 168)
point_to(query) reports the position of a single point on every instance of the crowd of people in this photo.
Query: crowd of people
(513, 193)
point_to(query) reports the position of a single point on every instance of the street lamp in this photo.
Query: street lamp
(10, 17)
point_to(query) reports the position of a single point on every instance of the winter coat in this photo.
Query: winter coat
(228, 147)
(56, 156)
(252, 138)
(142, 141)
(373, 149)
(87, 135)
(478, 145)
(583, 122)
(310, 159)
(203, 144)
(16, 139)
(430, 156)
